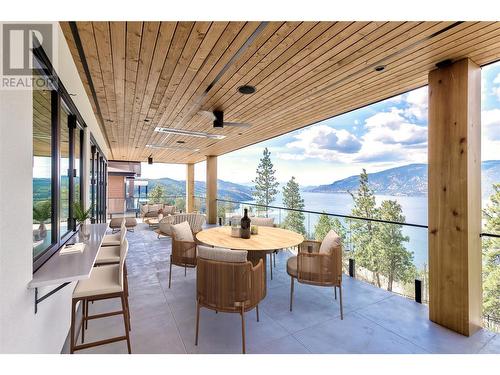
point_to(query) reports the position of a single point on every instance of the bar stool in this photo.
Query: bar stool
(105, 282)
(109, 255)
(115, 239)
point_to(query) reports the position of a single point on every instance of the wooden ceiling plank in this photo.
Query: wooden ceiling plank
(287, 100)
(384, 36)
(181, 35)
(86, 32)
(133, 47)
(414, 55)
(148, 44)
(229, 48)
(190, 48)
(164, 40)
(118, 32)
(195, 66)
(341, 40)
(103, 44)
(303, 82)
(401, 79)
(205, 74)
(345, 32)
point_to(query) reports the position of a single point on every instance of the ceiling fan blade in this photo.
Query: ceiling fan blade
(207, 114)
(237, 124)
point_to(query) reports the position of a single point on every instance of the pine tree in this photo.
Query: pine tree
(396, 262)
(157, 194)
(366, 254)
(326, 224)
(266, 186)
(292, 199)
(491, 256)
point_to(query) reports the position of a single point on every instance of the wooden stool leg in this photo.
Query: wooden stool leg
(185, 270)
(335, 291)
(170, 273)
(341, 307)
(291, 293)
(125, 322)
(271, 264)
(85, 306)
(257, 311)
(128, 313)
(243, 328)
(197, 321)
(72, 329)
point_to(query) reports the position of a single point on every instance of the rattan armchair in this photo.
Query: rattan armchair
(229, 286)
(318, 263)
(183, 255)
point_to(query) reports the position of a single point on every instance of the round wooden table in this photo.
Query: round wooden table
(258, 245)
(268, 239)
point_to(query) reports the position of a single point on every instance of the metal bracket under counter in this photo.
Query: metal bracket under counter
(47, 295)
(62, 270)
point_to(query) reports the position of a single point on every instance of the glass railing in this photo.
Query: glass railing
(390, 255)
(491, 281)
(131, 206)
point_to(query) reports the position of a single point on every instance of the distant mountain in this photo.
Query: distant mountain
(225, 189)
(408, 179)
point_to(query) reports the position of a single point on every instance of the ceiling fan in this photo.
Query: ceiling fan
(218, 119)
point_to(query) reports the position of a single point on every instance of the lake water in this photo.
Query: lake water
(414, 208)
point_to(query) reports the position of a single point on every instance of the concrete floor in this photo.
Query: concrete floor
(163, 320)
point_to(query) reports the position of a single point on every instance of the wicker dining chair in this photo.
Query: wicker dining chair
(183, 248)
(318, 263)
(227, 282)
(266, 222)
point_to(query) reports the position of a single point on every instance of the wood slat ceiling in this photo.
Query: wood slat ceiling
(140, 75)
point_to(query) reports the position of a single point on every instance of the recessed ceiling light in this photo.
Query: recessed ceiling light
(189, 133)
(173, 148)
(379, 68)
(246, 89)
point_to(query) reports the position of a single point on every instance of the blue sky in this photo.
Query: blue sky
(380, 136)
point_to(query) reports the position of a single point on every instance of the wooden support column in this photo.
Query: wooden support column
(211, 200)
(455, 290)
(189, 187)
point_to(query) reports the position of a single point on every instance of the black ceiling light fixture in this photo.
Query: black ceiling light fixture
(246, 89)
(150, 159)
(379, 68)
(181, 142)
(217, 117)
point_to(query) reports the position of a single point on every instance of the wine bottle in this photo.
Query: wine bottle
(245, 225)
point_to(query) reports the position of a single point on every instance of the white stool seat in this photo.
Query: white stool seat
(108, 254)
(103, 280)
(111, 239)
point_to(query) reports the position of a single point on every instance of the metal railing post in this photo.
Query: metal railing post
(352, 268)
(418, 290)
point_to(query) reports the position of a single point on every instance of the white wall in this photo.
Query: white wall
(21, 330)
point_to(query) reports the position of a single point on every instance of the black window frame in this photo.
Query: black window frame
(59, 95)
(98, 182)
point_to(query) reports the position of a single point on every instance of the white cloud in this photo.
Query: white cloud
(322, 142)
(417, 100)
(393, 128)
(490, 123)
(497, 79)
(496, 92)
(290, 156)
